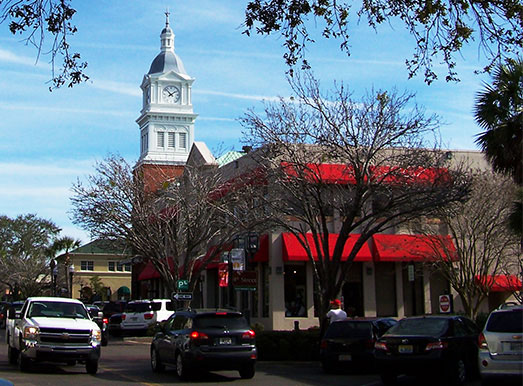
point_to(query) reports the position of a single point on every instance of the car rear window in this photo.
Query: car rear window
(348, 330)
(506, 321)
(419, 327)
(138, 307)
(227, 321)
(157, 306)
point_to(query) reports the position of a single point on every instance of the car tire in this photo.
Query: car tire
(327, 367)
(24, 363)
(247, 372)
(181, 368)
(91, 366)
(12, 355)
(388, 378)
(156, 363)
(104, 340)
(459, 373)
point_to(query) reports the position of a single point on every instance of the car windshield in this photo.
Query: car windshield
(226, 321)
(419, 327)
(138, 307)
(506, 321)
(348, 329)
(57, 310)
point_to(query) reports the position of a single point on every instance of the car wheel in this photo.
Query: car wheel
(156, 363)
(247, 372)
(24, 363)
(388, 378)
(12, 355)
(104, 340)
(91, 366)
(327, 367)
(181, 368)
(460, 373)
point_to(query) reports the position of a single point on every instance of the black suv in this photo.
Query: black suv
(205, 340)
(349, 343)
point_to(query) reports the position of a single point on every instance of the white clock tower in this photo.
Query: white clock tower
(167, 119)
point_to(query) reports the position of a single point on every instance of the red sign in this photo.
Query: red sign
(223, 274)
(444, 304)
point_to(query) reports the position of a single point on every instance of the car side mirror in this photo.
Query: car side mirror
(100, 314)
(12, 314)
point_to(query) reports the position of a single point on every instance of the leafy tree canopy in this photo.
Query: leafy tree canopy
(440, 28)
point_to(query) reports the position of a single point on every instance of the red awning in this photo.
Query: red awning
(262, 256)
(344, 174)
(413, 248)
(294, 251)
(500, 283)
(149, 272)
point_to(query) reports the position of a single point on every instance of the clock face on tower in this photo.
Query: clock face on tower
(171, 94)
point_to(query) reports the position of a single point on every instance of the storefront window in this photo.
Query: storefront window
(295, 282)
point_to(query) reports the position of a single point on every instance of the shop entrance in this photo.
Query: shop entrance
(353, 298)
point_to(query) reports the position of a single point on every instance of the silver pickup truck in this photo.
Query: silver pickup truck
(49, 329)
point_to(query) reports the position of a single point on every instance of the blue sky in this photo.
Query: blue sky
(48, 140)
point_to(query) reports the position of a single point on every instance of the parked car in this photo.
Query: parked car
(4, 308)
(501, 344)
(196, 340)
(431, 347)
(16, 306)
(111, 308)
(349, 343)
(138, 315)
(97, 317)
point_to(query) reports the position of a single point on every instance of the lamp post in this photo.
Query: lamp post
(71, 274)
(54, 273)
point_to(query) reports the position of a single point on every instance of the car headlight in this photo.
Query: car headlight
(31, 332)
(97, 335)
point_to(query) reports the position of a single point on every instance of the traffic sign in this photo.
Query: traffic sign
(444, 304)
(182, 295)
(182, 285)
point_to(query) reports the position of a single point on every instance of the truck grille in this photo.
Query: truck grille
(65, 337)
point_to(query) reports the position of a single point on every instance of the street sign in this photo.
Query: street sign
(445, 304)
(182, 295)
(182, 285)
(245, 280)
(237, 259)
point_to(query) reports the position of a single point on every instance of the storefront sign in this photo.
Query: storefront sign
(245, 280)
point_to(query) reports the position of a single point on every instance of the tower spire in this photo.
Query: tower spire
(167, 36)
(167, 13)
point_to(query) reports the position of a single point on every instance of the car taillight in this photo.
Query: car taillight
(148, 316)
(105, 321)
(249, 335)
(381, 346)
(323, 344)
(482, 342)
(439, 345)
(196, 335)
(124, 316)
(370, 343)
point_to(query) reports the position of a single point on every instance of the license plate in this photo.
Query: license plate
(516, 346)
(134, 319)
(405, 349)
(345, 357)
(225, 341)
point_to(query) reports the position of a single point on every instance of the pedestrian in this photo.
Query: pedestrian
(335, 313)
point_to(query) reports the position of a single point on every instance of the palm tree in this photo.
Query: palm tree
(499, 110)
(66, 244)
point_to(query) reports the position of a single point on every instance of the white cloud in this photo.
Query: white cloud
(38, 169)
(22, 107)
(117, 87)
(10, 57)
(238, 96)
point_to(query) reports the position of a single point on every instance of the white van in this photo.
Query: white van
(138, 315)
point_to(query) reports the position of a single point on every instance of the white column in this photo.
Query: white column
(369, 289)
(399, 291)
(427, 306)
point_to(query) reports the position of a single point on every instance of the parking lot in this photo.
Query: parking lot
(126, 361)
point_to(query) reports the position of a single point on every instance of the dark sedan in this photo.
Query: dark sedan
(349, 343)
(435, 348)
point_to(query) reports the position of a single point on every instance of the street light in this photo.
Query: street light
(54, 273)
(71, 274)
